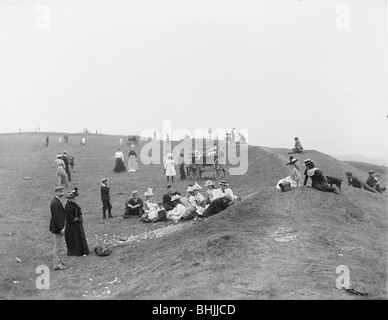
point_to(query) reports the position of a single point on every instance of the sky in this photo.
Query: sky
(273, 69)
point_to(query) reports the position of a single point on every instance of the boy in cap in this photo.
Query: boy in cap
(105, 198)
(57, 226)
(357, 183)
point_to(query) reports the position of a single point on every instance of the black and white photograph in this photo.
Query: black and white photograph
(194, 153)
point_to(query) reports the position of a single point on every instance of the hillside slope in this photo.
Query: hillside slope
(273, 245)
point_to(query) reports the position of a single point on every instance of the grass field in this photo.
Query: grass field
(272, 245)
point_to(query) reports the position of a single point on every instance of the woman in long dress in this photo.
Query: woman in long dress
(119, 162)
(74, 231)
(132, 160)
(318, 179)
(170, 170)
(295, 175)
(62, 179)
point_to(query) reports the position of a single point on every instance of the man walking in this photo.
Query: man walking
(65, 159)
(57, 227)
(105, 198)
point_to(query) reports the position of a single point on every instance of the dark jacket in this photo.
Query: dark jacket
(215, 207)
(105, 193)
(137, 211)
(371, 182)
(355, 182)
(319, 181)
(167, 203)
(58, 216)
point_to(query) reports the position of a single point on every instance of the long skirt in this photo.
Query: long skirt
(75, 239)
(323, 187)
(132, 164)
(182, 171)
(170, 170)
(294, 184)
(62, 177)
(119, 165)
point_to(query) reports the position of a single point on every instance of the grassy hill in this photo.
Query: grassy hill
(382, 170)
(273, 245)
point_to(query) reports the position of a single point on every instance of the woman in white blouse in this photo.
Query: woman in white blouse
(119, 162)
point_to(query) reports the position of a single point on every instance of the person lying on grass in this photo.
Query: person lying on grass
(357, 183)
(217, 206)
(319, 181)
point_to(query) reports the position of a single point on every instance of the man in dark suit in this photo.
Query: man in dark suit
(134, 206)
(217, 205)
(66, 161)
(57, 226)
(105, 198)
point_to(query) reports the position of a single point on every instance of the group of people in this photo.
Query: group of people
(63, 174)
(176, 207)
(66, 224)
(132, 160)
(319, 180)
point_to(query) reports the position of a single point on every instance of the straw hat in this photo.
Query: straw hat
(309, 163)
(196, 186)
(190, 189)
(58, 188)
(175, 197)
(104, 179)
(291, 159)
(208, 183)
(135, 193)
(223, 183)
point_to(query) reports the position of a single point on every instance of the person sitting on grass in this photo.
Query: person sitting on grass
(319, 181)
(178, 211)
(218, 205)
(134, 206)
(294, 177)
(374, 183)
(225, 190)
(298, 147)
(212, 192)
(357, 183)
(150, 207)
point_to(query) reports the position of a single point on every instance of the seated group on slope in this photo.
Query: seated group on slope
(176, 207)
(320, 181)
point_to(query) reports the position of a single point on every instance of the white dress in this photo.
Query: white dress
(176, 213)
(169, 165)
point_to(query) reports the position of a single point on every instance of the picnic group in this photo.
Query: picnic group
(195, 203)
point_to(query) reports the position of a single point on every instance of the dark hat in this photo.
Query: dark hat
(58, 188)
(223, 183)
(348, 173)
(296, 138)
(72, 194)
(291, 159)
(64, 152)
(309, 163)
(168, 186)
(371, 171)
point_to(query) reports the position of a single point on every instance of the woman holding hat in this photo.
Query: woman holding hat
(295, 175)
(76, 242)
(119, 162)
(132, 160)
(61, 173)
(319, 181)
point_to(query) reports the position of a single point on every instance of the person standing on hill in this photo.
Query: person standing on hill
(298, 147)
(47, 141)
(170, 170)
(374, 183)
(105, 198)
(61, 173)
(319, 181)
(76, 242)
(57, 227)
(357, 183)
(181, 164)
(83, 142)
(119, 162)
(67, 164)
(132, 160)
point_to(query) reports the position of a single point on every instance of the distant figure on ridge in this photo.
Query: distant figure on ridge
(298, 147)
(47, 141)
